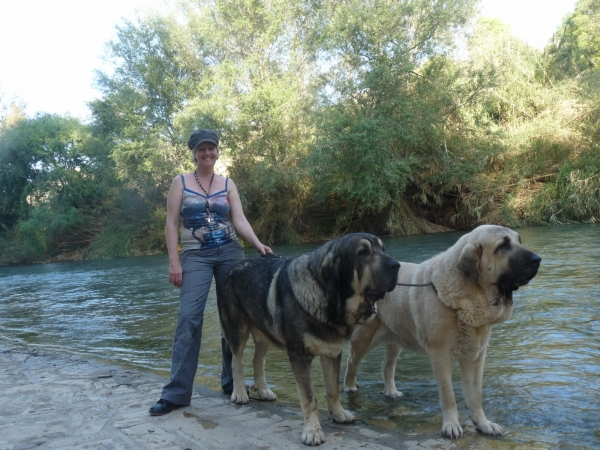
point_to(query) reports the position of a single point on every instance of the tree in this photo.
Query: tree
(52, 186)
(575, 47)
(530, 137)
(258, 92)
(18, 158)
(385, 106)
(152, 80)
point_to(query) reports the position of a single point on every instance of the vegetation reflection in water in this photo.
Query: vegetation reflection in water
(541, 378)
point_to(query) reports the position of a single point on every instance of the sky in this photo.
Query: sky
(49, 49)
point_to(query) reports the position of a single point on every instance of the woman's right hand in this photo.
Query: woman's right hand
(174, 200)
(175, 274)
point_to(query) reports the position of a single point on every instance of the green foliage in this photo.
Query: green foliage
(575, 47)
(52, 178)
(388, 116)
(39, 158)
(149, 83)
(533, 134)
(129, 228)
(156, 72)
(258, 97)
(383, 129)
(47, 226)
(576, 191)
(14, 251)
(17, 167)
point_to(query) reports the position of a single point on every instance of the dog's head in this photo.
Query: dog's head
(493, 255)
(355, 272)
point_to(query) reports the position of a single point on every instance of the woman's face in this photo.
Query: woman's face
(207, 154)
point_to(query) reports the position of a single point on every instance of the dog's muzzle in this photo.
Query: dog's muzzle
(386, 282)
(524, 268)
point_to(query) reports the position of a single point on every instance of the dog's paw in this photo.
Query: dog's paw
(452, 430)
(240, 398)
(350, 384)
(489, 428)
(392, 393)
(266, 394)
(343, 417)
(351, 387)
(313, 436)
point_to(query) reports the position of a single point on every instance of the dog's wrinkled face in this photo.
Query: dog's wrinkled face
(366, 274)
(377, 271)
(499, 260)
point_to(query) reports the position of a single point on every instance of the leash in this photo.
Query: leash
(420, 285)
(270, 255)
(273, 255)
(415, 285)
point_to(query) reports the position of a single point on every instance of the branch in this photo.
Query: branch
(513, 105)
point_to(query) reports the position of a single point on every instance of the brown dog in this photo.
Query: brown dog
(452, 319)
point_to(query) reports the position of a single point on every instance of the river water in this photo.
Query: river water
(542, 374)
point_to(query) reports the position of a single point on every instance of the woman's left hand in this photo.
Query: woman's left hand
(263, 249)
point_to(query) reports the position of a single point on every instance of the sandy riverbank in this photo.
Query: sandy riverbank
(61, 402)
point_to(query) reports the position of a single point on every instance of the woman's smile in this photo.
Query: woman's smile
(207, 152)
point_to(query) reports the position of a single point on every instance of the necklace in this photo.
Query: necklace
(206, 204)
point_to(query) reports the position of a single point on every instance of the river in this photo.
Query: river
(542, 374)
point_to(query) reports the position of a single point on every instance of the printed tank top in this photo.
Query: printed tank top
(201, 228)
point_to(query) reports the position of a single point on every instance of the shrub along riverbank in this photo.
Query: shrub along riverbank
(395, 117)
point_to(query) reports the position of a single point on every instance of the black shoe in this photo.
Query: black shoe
(162, 407)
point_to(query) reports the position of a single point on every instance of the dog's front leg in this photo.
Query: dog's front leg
(312, 434)
(331, 376)
(472, 379)
(392, 352)
(361, 343)
(442, 370)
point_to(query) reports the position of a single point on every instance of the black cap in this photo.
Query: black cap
(200, 136)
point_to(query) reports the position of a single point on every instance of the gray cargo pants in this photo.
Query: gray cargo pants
(199, 267)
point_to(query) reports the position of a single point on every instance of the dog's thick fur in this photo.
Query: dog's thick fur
(473, 284)
(307, 305)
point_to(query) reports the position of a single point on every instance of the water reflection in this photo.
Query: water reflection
(541, 381)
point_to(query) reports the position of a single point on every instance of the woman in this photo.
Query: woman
(205, 201)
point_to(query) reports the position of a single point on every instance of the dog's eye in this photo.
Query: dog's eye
(504, 246)
(363, 251)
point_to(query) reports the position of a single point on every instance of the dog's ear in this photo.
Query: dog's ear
(330, 274)
(468, 262)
